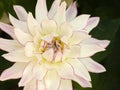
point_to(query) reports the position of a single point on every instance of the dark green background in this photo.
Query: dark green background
(108, 28)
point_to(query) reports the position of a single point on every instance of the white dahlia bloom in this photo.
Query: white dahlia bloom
(51, 49)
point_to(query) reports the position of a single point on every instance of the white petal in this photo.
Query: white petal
(71, 12)
(8, 29)
(84, 83)
(39, 71)
(60, 16)
(66, 85)
(14, 72)
(18, 24)
(22, 37)
(79, 69)
(80, 22)
(58, 57)
(17, 56)
(65, 70)
(92, 23)
(48, 55)
(92, 66)
(21, 12)
(52, 80)
(27, 74)
(41, 85)
(9, 45)
(41, 10)
(32, 23)
(54, 8)
(77, 37)
(32, 85)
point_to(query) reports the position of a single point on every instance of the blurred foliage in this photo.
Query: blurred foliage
(108, 28)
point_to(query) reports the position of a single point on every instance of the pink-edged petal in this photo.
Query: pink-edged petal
(32, 85)
(54, 8)
(52, 80)
(14, 72)
(17, 56)
(84, 83)
(21, 12)
(22, 37)
(80, 22)
(92, 66)
(9, 45)
(71, 12)
(66, 85)
(92, 23)
(48, 55)
(58, 57)
(27, 74)
(39, 71)
(18, 24)
(91, 46)
(41, 85)
(77, 37)
(60, 15)
(64, 70)
(8, 29)
(41, 10)
(32, 23)
(79, 69)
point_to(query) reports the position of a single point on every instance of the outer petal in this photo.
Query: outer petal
(8, 29)
(80, 22)
(66, 85)
(92, 66)
(18, 24)
(22, 37)
(21, 12)
(27, 75)
(41, 85)
(17, 56)
(71, 12)
(50, 79)
(9, 45)
(13, 72)
(79, 69)
(92, 23)
(92, 46)
(41, 10)
(54, 8)
(60, 16)
(84, 83)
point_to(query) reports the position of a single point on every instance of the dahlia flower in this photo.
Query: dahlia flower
(52, 49)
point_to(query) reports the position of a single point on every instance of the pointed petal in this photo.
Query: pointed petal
(54, 8)
(32, 85)
(79, 69)
(80, 22)
(39, 71)
(32, 23)
(22, 37)
(8, 29)
(77, 37)
(18, 24)
(60, 16)
(14, 72)
(48, 55)
(92, 23)
(66, 85)
(27, 75)
(9, 45)
(71, 12)
(84, 83)
(17, 56)
(41, 10)
(50, 79)
(65, 70)
(92, 66)
(21, 12)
